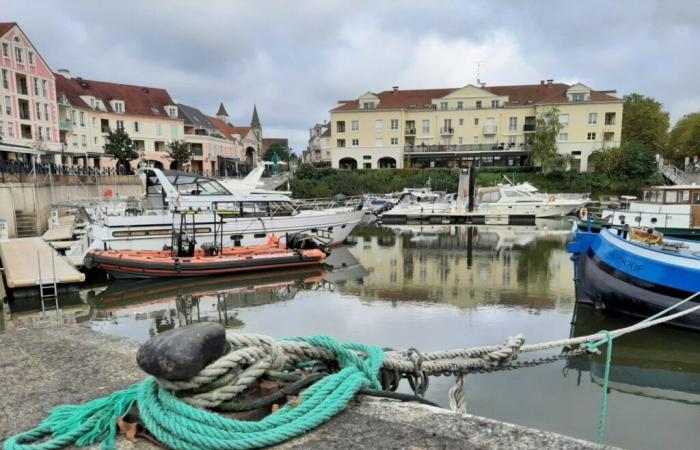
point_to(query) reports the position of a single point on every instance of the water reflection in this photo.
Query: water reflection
(661, 362)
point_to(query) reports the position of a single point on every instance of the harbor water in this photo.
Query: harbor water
(438, 287)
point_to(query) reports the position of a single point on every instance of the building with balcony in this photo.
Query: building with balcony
(473, 125)
(318, 151)
(88, 110)
(28, 110)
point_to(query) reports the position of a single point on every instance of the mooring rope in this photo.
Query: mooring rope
(177, 413)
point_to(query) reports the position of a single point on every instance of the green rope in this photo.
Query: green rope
(604, 402)
(184, 427)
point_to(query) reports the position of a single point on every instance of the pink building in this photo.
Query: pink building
(28, 109)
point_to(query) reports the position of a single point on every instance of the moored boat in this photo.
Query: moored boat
(638, 272)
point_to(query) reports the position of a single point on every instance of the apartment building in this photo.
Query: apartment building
(89, 109)
(318, 151)
(28, 110)
(480, 125)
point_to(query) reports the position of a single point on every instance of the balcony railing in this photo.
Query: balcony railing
(410, 131)
(447, 131)
(490, 129)
(463, 148)
(529, 128)
(65, 124)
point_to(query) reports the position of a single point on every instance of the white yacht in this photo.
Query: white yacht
(524, 199)
(248, 220)
(421, 201)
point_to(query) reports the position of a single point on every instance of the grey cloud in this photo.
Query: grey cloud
(296, 59)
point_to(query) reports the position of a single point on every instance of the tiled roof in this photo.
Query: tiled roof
(518, 95)
(222, 110)
(227, 129)
(138, 100)
(194, 117)
(5, 27)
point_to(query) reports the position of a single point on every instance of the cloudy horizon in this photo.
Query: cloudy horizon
(295, 60)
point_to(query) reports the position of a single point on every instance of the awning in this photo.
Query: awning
(20, 149)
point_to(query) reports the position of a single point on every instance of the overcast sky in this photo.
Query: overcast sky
(296, 59)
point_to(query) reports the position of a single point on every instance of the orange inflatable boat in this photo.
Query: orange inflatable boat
(201, 262)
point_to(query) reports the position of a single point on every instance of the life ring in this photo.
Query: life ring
(583, 214)
(551, 199)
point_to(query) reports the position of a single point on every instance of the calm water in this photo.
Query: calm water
(438, 287)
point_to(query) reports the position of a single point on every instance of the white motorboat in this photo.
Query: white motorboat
(250, 217)
(524, 199)
(412, 201)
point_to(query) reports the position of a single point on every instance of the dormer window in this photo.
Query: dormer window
(368, 105)
(171, 111)
(578, 97)
(117, 106)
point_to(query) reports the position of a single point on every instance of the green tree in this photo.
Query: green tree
(607, 160)
(543, 142)
(630, 160)
(685, 138)
(281, 151)
(181, 152)
(645, 121)
(119, 146)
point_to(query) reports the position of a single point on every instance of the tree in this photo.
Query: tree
(543, 141)
(119, 146)
(630, 160)
(644, 121)
(180, 152)
(282, 152)
(685, 138)
(607, 160)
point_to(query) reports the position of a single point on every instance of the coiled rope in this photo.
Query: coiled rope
(177, 414)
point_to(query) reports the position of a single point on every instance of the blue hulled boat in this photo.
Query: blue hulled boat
(637, 273)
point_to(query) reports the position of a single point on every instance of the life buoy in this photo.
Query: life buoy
(551, 199)
(583, 214)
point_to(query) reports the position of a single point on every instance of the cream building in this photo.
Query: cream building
(88, 109)
(318, 151)
(485, 125)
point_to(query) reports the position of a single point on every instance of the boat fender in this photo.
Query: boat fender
(551, 199)
(177, 264)
(583, 214)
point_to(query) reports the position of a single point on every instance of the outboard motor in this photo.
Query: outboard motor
(184, 246)
(210, 249)
(305, 240)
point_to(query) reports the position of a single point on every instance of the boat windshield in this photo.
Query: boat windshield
(194, 185)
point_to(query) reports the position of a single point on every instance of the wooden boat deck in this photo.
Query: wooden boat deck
(28, 262)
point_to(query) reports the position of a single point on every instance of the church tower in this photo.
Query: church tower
(255, 125)
(221, 114)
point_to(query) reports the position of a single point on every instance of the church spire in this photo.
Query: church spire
(221, 114)
(255, 121)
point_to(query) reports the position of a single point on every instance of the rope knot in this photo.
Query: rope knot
(505, 353)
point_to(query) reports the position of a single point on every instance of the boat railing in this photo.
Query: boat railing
(656, 219)
(317, 204)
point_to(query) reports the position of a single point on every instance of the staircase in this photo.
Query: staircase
(675, 175)
(25, 224)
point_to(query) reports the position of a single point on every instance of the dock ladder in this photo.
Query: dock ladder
(48, 289)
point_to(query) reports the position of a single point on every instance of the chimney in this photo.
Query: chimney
(550, 81)
(395, 88)
(65, 73)
(541, 81)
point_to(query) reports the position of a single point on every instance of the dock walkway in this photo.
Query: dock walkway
(23, 268)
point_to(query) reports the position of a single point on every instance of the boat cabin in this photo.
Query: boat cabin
(660, 206)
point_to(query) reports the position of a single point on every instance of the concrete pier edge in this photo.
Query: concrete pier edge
(60, 364)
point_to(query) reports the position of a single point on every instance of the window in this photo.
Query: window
(120, 124)
(461, 122)
(476, 139)
(478, 104)
(83, 140)
(355, 125)
(460, 105)
(591, 136)
(159, 130)
(513, 124)
(82, 119)
(426, 127)
(30, 55)
(5, 79)
(340, 126)
(494, 103)
(10, 129)
(476, 122)
(460, 140)
(46, 112)
(136, 127)
(355, 142)
(592, 118)
(564, 120)
(95, 140)
(578, 97)
(72, 117)
(45, 88)
(443, 105)
(18, 55)
(118, 107)
(394, 141)
(563, 137)
(2, 129)
(610, 118)
(5, 49)
(379, 142)
(511, 141)
(36, 86)
(394, 124)
(40, 134)
(379, 125)
(368, 105)
(172, 111)
(8, 105)
(340, 143)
